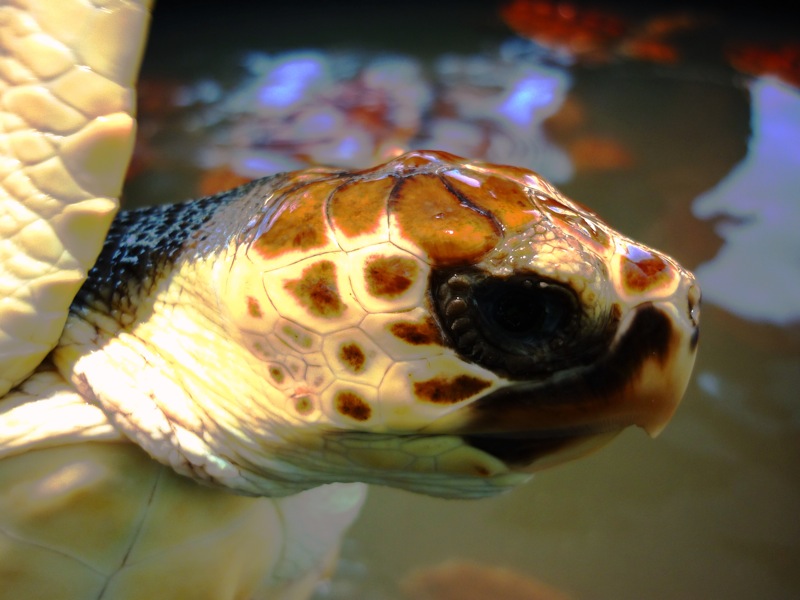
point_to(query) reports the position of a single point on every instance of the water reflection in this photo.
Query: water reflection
(759, 213)
(494, 106)
(352, 110)
(290, 80)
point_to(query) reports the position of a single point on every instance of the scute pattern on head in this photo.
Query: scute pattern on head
(407, 253)
(377, 235)
(446, 210)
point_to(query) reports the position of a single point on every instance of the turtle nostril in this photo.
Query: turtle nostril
(694, 297)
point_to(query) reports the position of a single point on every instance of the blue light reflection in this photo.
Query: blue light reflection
(289, 81)
(756, 273)
(528, 96)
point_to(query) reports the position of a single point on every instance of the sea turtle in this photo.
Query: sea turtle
(433, 323)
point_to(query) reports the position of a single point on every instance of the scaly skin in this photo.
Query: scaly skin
(326, 327)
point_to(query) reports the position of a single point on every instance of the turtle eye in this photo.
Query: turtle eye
(523, 326)
(527, 310)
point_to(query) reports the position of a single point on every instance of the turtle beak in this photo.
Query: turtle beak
(639, 381)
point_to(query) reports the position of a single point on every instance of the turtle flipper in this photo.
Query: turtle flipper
(67, 71)
(104, 521)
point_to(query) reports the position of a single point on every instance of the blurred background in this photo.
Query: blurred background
(680, 124)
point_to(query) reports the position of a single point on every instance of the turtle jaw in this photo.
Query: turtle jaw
(639, 381)
(529, 452)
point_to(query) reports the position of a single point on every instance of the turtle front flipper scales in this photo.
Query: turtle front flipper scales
(66, 135)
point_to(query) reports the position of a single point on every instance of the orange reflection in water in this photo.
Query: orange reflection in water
(781, 59)
(565, 25)
(592, 34)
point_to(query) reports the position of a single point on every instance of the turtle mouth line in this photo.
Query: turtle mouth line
(533, 451)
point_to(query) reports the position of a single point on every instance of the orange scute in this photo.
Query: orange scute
(442, 209)
(505, 199)
(357, 208)
(438, 223)
(300, 222)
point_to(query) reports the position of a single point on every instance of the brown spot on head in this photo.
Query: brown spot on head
(298, 222)
(317, 290)
(417, 334)
(352, 405)
(352, 356)
(301, 339)
(389, 276)
(253, 308)
(277, 374)
(449, 230)
(643, 270)
(303, 405)
(449, 390)
(357, 207)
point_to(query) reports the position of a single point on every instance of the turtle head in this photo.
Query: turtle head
(432, 323)
(449, 326)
